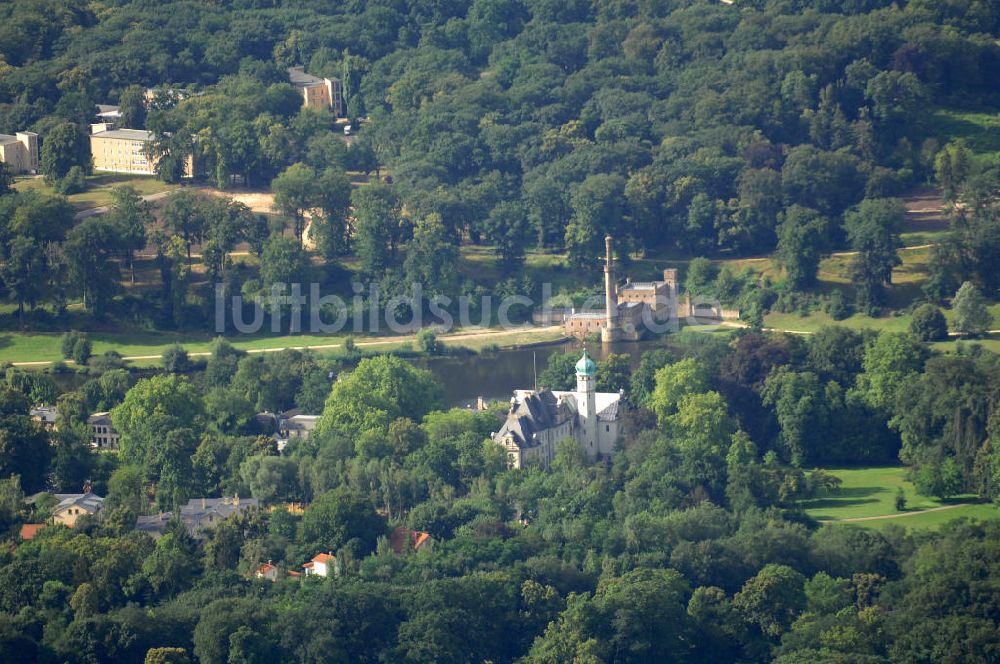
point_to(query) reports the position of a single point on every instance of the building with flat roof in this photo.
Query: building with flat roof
(20, 152)
(109, 113)
(318, 92)
(125, 150)
(121, 150)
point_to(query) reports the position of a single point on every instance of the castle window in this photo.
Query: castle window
(607, 427)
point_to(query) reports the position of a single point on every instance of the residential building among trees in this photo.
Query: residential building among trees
(102, 432)
(126, 151)
(318, 92)
(20, 152)
(74, 505)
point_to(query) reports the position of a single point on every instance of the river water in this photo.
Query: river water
(488, 375)
(497, 375)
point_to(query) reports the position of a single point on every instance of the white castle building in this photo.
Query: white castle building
(538, 420)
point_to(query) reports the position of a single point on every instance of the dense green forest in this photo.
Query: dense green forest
(694, 127)
(687, 546)
(687, 129)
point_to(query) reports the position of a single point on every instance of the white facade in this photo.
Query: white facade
(538, 421)
(322, 565)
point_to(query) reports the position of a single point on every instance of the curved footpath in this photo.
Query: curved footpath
(901, 515)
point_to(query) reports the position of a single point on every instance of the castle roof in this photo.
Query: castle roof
(529, 414)
(586, 366)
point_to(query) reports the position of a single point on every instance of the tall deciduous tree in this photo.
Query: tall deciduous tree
(972, 318)
(64, 147)
(184, 215)
(132, 106)
(330, 229)
(90, 247)
(295, 195)
(873, 228)
(131, 215)
(152, 408)
(6, 179)
(432, 257)
(377, 227)
(378, 391)
(597, 211)
(24, 445)
(673, 382)
(507, 228)
(24, 272)
(339, 517)
(801, 236)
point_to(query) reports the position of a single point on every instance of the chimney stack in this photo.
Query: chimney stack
(610, 296)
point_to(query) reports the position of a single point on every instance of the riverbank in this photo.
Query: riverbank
(41, 350)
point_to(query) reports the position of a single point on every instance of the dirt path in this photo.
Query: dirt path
(901, 515)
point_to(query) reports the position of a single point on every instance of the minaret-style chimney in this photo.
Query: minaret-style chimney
(610, 296)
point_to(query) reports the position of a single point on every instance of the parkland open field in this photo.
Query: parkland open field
(867, 498)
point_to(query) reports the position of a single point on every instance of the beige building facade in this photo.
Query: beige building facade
(121, 150)
(125, 151)
(74, 505)
(20, 152)
(318, 92)
(102, 432)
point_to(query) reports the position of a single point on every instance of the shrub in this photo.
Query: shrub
(928, 323)
(837, 306)
(69, 342)
(176, 360)
(900, 500)
(82, 350)
(74, 182)
(428, 342)
(109, 361)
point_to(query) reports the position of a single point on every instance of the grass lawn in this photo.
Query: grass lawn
(893, 323)
(980, 131)
(868, 492)
(45, 347)
(99, 188)
(932, 520)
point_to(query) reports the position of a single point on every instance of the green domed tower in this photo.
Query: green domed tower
(586, 366)
(586, 374)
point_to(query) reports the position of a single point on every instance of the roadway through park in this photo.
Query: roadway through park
(924, 211)
(402, 339)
